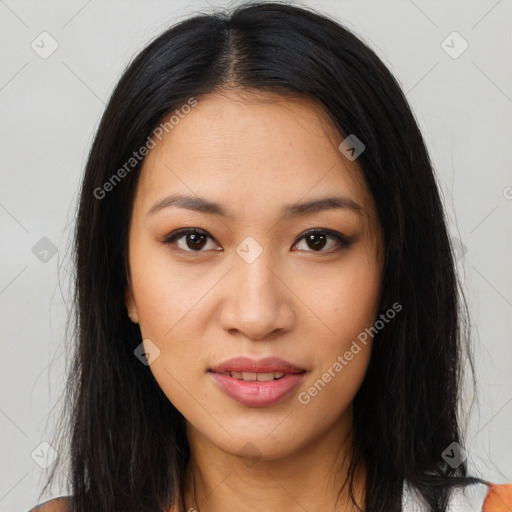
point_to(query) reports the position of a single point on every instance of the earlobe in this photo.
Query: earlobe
(131, 306)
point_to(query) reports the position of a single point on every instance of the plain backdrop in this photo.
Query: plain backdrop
(458, 85)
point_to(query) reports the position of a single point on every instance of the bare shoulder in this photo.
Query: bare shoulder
(56, 505)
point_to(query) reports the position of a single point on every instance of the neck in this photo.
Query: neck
(308, 479)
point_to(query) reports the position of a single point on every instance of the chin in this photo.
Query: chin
(258, 446)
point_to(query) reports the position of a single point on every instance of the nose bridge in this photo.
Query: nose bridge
(258, 304)
(255, 279)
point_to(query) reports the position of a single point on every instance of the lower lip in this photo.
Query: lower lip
(255, 393)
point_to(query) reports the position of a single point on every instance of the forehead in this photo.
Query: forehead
(252, 151)
(232, 125)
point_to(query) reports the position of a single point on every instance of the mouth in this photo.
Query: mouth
(240, 366)
(256, 376)
(257, 383)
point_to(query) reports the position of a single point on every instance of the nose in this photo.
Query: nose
(258, 301)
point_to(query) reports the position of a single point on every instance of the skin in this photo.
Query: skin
(253, 153)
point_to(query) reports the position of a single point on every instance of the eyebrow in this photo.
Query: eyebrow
(202, 205)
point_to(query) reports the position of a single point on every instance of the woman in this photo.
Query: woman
(267, 307)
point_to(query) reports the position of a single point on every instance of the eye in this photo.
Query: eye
(195, 239)
(318, 238)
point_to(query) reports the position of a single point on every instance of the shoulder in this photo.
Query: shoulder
(479, 497)
(56, 505)
(499, 498)
(483, 497)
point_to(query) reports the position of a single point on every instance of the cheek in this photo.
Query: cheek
(330, 391)
(344, 298)
(167, 296)
(170, 324)
(169, 307)
(345, 301)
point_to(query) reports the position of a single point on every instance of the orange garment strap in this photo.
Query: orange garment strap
(499, 498)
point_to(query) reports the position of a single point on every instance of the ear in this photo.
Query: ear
(130, 305)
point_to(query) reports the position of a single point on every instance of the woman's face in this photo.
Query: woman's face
(255, 282)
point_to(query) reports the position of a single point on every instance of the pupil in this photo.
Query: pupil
(194, 237)
(314, 244)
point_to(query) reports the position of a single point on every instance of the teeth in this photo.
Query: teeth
(251, 376)
(265, 376)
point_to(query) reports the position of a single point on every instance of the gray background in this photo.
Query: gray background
(50, 108)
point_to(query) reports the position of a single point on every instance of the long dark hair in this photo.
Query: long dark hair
(128, 447)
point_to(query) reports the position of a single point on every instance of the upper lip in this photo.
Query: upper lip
(266, 365)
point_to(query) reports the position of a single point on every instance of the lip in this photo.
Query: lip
(246, 364)
(256, 393)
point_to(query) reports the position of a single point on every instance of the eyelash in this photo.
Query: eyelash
(342, 240)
